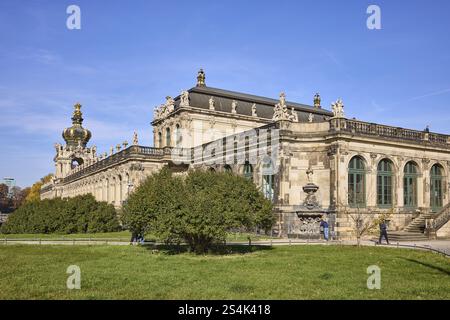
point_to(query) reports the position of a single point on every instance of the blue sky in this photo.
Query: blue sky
(129, 55)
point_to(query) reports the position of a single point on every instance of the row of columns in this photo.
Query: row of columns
(113, 189)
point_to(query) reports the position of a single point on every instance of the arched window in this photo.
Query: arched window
(168, 138)
(248, 171)
(159, 140)
(76, 162)
(410, 185)
(356, 182)
(268, 183)
(436, 186)
(384, 183)
(178, 136)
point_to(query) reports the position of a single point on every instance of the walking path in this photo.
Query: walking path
(442, 246)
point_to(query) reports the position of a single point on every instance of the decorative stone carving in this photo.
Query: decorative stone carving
(184, 99)
(234, 124)
(212, 121)
(170, 104)
(338, 109)
(212, 104)
(332, 150)
(305, 225)
(125, 144)
(111, 151)
(136, 167)
(293, 116)
(281, 110)
(234, 106)
(135, 139)
(163, 110)
(310, 189)
(311, 118)
(254, 110)
(309, 174)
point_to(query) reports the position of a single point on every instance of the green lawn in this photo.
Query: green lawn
(285, 272)
(122, 235)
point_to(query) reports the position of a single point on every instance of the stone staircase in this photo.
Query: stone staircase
(397, 236)
(415, 230)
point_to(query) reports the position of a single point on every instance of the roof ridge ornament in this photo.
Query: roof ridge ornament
(317, 101)
(77, 117)
(76, 135)
(201, 78)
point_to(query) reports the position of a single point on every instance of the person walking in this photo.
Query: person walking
(133, 237)
(383, 232)
(325, 228)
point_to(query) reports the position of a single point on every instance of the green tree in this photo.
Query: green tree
(199, 209)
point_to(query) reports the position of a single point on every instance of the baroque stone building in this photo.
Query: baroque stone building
(311, 162)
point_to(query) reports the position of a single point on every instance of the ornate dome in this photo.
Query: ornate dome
(76, 135)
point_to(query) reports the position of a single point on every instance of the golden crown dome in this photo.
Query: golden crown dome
(76, 135)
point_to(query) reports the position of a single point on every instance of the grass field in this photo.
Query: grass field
(285, 272)
(122, 235)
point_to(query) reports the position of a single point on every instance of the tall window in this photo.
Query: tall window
(159, 140)
(178, 136)
(384, 183)
(356, 182)
(168, 138)
(410, 185)
(268, 183)
(436, 185)
(248, 171)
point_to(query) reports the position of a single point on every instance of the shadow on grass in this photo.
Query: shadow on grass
(429, 266)
(214, 250)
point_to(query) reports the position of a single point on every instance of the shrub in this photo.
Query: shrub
(199, 209)
(80, 214)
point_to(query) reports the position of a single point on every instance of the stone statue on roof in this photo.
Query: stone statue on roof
(281, 110)
(234, 106)
(211, 104)
(294, 116)
(338, 109)
(135, 139)
(254, 114)
(170, 104)
(184, 99)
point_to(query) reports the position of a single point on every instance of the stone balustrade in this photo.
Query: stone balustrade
(373, 129)
(115, 158)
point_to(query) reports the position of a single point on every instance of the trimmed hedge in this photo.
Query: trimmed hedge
(81, 214)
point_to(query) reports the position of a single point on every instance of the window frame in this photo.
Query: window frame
(385, 182)
(353, 174)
